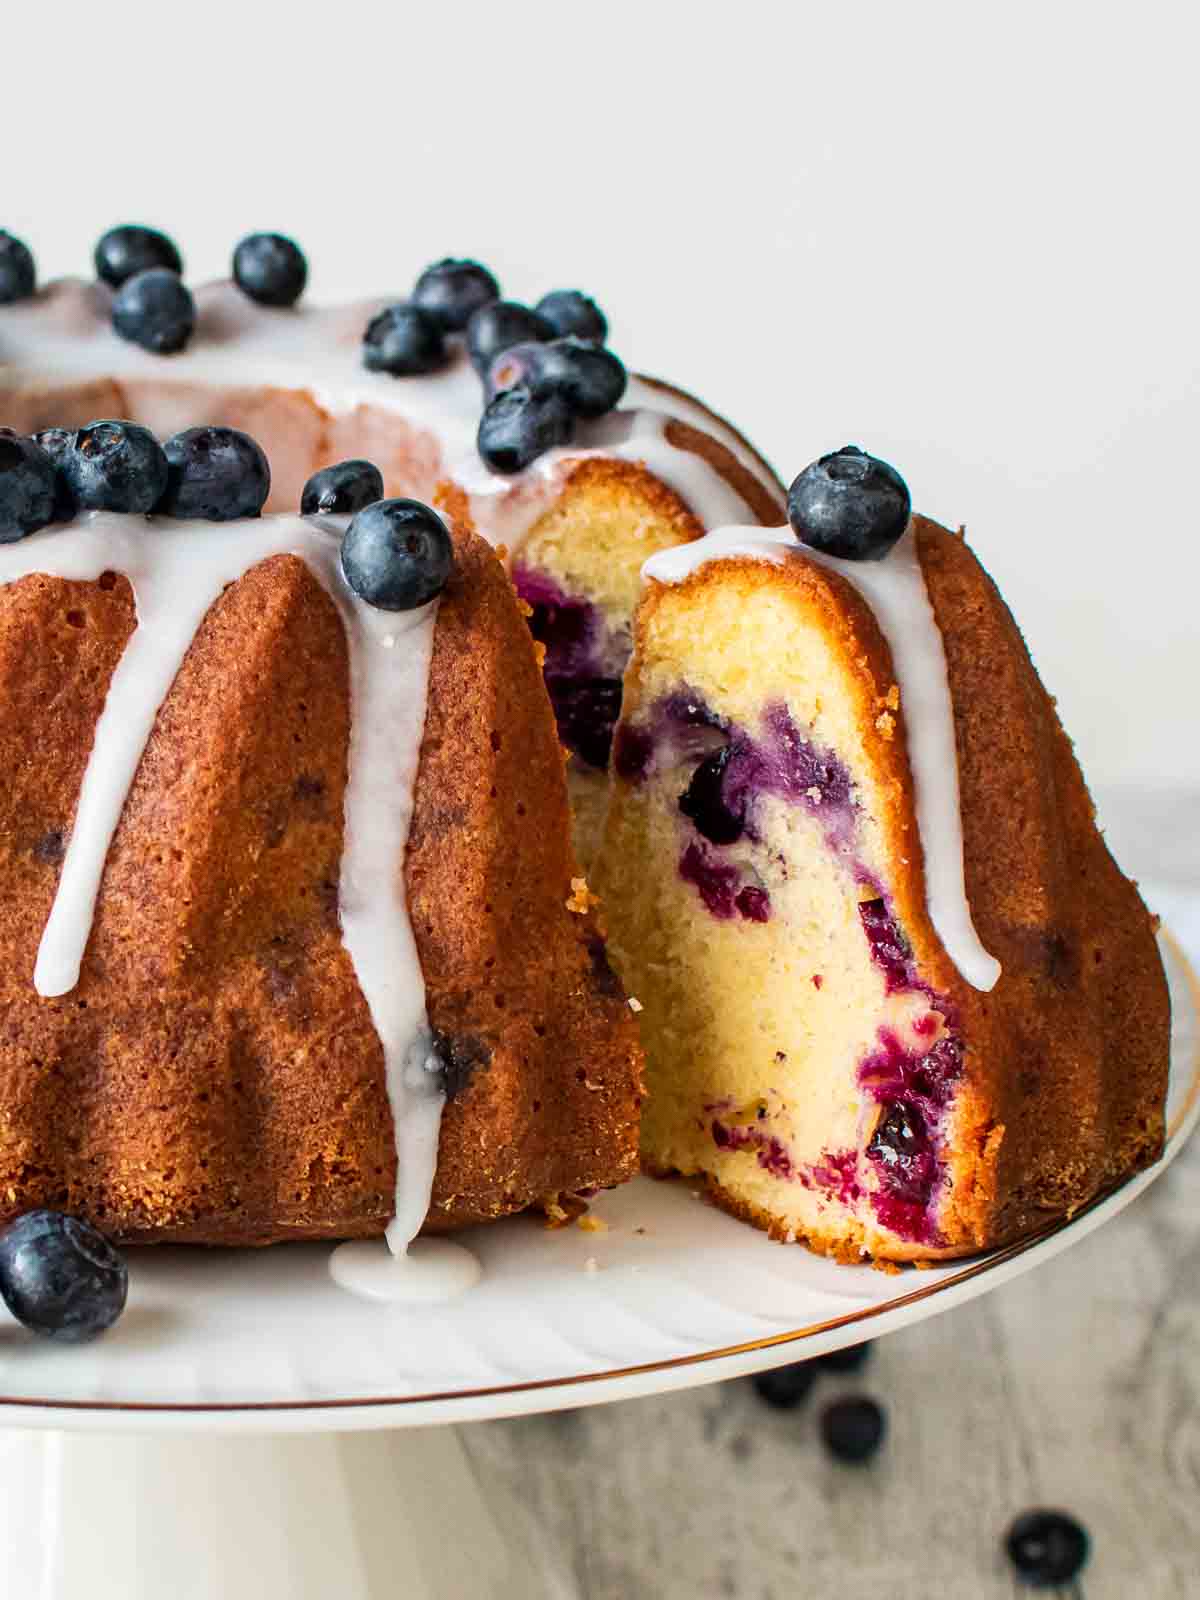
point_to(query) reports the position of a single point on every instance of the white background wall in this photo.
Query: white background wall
(963, 236)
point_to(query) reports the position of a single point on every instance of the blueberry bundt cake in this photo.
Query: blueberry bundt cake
(897, 998)
(297, 943)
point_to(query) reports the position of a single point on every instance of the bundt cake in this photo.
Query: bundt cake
(898, 1000)
(289, 884)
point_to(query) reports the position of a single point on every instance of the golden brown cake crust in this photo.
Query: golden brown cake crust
(1067, 1057)
(215, 1076)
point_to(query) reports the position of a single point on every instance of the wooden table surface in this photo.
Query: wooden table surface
(1076, 1386)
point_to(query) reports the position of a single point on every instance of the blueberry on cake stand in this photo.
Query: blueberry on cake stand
(250, 1428)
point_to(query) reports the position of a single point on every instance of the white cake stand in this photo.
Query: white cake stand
(251, 1430)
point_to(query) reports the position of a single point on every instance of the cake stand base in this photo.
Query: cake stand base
(306, 1517)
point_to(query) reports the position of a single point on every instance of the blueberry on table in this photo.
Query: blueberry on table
(1047, 1548)
(404, 341)
(849, 504)
(270, 268)
(123, 252)
(572, 311)
(520, 425)
(18, 275)
(346, 486)
(853, 1429)
(214, 474)
(852, 1359)
(451, 291)
(785, 1388)
(28, 492)
(498, 327)
(155, 309)
(115, 466)
(61, 1277)
(397, 555)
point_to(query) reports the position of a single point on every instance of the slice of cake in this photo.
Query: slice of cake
(897, 999)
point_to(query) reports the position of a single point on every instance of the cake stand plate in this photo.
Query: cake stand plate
(119, 1475)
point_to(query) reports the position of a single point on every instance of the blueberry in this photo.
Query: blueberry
(155, 310)
(498, 327)
(572, 311)
(852, 1359)
(590, 379)
(58, 444)
(270, 268)
(853, 1429)
(1048, 1548)
(703, 803)
(784, 1388)
(27, 487)
(405, 341)
(519, 425)
(60, 1277)
(586, 711)
(346, 486)
(123, 252)
(397, 554)
(452, 291)
(515, 366)
(115, 466)
(902, 1148)
(18, 275)
(216, 474)
(849, 504)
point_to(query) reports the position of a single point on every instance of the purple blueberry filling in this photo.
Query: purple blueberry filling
(914, 1085)
(720, 886)
(582, 667)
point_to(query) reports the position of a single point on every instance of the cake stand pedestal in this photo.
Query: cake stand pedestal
(324, 1516)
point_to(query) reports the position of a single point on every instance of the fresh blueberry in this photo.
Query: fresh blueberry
(60, 1277)
(849, 504)
(18, 275)
(516, 366)
(405, 341)
(572, 311)
(58, 444)
(216, 474)
(703, 802)
(499, 326)
(115, 466)
(123, 252)
(27, 487)
(346, 486)
(853, 1429)
(590, 379)
(270, 268)
(785, 1388)
(154, 309)
(1048, 1548)
(452, 291)
(520, 425)
(852, 1359)
(397, 554)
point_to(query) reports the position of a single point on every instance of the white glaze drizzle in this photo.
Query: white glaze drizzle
(895, 590)
(178, 571)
